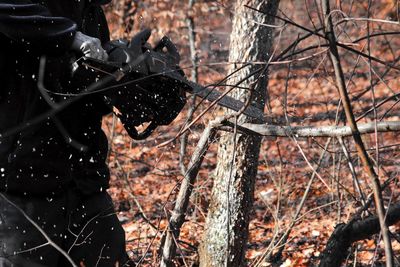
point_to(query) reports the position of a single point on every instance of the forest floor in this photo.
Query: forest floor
(146, 178)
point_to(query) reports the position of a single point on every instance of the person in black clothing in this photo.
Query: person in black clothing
(44, 174)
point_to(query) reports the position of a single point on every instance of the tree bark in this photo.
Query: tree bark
(226, 230)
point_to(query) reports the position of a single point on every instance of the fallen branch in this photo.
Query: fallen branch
(345, 234)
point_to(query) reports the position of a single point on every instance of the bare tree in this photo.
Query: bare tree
(226, 230)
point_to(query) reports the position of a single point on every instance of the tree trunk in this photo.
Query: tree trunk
(226, 231)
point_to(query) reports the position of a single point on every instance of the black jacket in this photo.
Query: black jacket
(40, 160)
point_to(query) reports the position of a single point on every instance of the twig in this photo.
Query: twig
(345, 46)
(352, 170)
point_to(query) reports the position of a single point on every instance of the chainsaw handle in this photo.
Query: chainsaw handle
(138, 41)
(134, 134)
(165, 42)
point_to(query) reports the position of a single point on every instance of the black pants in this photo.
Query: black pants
(85, 227)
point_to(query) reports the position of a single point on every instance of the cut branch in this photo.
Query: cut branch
(313, 131)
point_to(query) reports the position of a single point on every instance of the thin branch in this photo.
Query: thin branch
(352, 169)
(366, 162)
(344, 46)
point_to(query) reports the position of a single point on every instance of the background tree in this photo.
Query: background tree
(227, 222)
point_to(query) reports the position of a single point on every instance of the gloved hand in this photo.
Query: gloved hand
(149, 92)
(157, 95)
(89, 46)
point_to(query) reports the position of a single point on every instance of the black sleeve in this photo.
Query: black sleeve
(33, 25)
(95, 24)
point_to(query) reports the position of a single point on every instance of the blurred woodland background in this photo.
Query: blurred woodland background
(305, 185)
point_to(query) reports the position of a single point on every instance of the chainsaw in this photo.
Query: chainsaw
(149, 75)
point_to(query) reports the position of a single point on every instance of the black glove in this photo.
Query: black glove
(150, 94)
